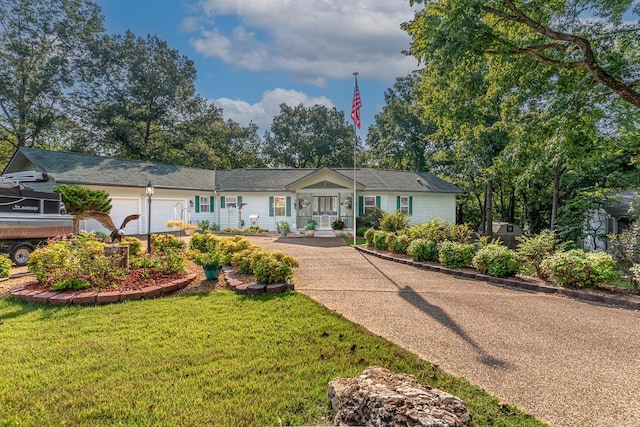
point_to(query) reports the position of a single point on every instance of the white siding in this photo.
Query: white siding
(426, 206)
(256, 204)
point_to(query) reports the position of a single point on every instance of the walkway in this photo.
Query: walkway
(566, 362)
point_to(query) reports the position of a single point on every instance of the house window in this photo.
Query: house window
(280, 206)
(231, 201)
(404, 204)
(369, 203)
(204, 203)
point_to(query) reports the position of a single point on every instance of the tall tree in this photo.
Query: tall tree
(45, 59)
(309, 137)
(586, 35)
(147, 91)
(400, 138)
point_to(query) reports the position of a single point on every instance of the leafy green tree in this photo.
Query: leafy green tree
(585, 35)
(147, 91)
(309, 137)
(45, 62)
(400, 138)
(79, 199)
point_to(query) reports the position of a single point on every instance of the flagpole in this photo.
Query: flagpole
(355, 145)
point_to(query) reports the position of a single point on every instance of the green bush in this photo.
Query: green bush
(423, 250)
(242, 260)
(579, 269)
(397, 244)
(534, 249)
(380, 240)
(439, 231)
(204, 242)
(371, 219)
(164, 242)
(496, 260)
(455, 254)
(273, 267)
(361, 230)
(369, 235)
(5, 265)
(394, 222)
(135, 245)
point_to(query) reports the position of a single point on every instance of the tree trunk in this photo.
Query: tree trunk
(557, 173)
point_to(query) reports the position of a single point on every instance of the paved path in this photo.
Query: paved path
(566, 362)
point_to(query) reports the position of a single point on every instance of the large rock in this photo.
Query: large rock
(378, 397)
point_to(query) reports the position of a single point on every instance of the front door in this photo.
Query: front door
(326, 209)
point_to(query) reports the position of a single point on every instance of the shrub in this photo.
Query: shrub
(625, 247)
(579, 269)
(371, 219)
(369, 235)
(496, 260)
(242, 260)
(455, 254)
(361, 230)
(228, 246)
(5, 265)
(397, 244)
(135, 245)
(423, 250)
(273, 267)
(438, 231)
(534, 249)
(204, 242)
(163, 242)
(394, 222)
(380, 240)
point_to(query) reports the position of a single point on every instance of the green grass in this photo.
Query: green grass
(208, 359)
(359, 240)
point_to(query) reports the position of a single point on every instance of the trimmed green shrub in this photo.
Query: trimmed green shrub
(5, 265)
(371, 219)
(534, 249)
(380, 240)
(438, 231)
(496, 260)
(579, 269)
(394, 222)
(369, 235)
(242, 260)
(273, 267)
(135, 245)
(397, 244)
(423, 250)
(361, 230)
(204, 242)
(455, 254)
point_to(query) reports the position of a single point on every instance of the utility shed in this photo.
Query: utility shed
(507, 232)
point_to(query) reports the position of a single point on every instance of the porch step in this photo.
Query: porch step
(324, 233)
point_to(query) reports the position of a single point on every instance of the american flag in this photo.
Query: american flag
(355, 106)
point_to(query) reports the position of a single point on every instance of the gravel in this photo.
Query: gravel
(567, 362)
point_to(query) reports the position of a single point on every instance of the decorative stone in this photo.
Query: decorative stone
(242, 289)
(108, 297)
(276, 288)
(378, 397)
(151, 292)
(169, 288)
(84, 298)
(42, 297)
(63, 298)
(131, 295)
(255, 289)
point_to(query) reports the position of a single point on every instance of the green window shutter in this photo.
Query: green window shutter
(398, 203)
(212, 203)
(360, 205)
(288, 205)
(410, 205)
(239, 201)
(271, 212)
(197, 204)
(222, 203)
(378, 201)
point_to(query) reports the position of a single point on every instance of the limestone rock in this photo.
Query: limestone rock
(378, 397)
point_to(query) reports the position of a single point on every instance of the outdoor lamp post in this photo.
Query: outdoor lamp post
(149, 192)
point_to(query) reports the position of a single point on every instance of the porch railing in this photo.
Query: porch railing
(323, 221)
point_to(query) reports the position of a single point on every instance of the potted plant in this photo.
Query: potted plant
(210, 261)
(284, 227)
(338, 226)
(310, 228)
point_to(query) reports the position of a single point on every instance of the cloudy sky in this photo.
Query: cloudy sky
(253, 55)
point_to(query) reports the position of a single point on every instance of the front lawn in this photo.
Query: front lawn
(201, 359)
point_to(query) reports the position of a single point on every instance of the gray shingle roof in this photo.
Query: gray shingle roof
(372, 180)
(87, 169)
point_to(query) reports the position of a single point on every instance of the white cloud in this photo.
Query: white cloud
(262, 113)
(315, 40)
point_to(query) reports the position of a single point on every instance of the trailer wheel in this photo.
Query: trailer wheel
(20, 254)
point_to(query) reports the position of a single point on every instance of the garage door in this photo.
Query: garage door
(163, 210)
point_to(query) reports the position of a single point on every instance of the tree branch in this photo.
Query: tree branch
(589, 63)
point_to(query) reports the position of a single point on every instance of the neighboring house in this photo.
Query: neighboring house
(613, 218)
(241, 197)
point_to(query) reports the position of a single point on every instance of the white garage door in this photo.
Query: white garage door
(163, 210)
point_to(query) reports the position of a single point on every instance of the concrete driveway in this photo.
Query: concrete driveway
(569, 363)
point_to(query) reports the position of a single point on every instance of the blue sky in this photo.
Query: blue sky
(253, 55)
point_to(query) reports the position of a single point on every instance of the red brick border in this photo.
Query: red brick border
(253, 289)
(106, 297)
